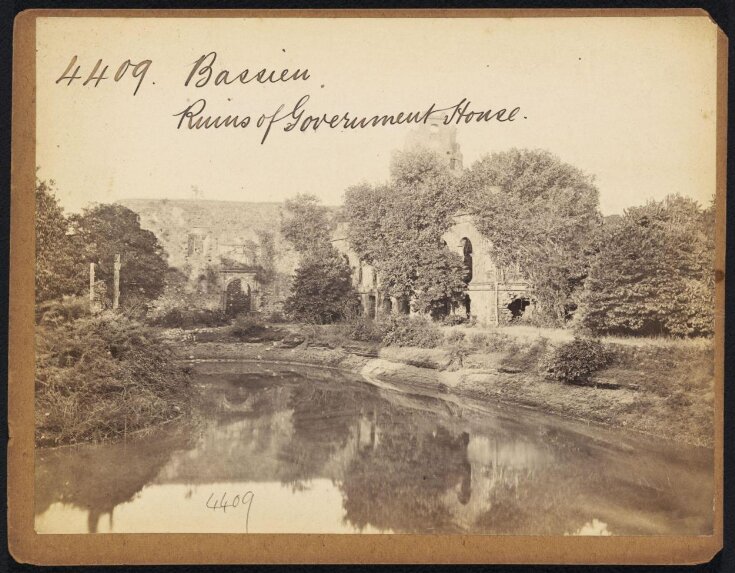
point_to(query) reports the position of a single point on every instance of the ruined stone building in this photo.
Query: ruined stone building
(221, 248)
(494, 294)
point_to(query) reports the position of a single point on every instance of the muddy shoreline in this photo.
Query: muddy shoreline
(481, 379)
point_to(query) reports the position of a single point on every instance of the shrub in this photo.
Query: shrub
(575, 361)
(454, 320)
(367, 330)
(454, 337)
(100, 377)
(652, 274)
(412, 331)
(275, 317)
(56, 312)
(321, 290)
(491, 341)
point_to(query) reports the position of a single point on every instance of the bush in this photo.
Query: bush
(455, 337)
(412, 331)
(575, 361)
(100, 377)
(492, 342)
(275, 317)
(455, 320)
(653, 273)
(366, 330)
(321, 290)
(56, 312)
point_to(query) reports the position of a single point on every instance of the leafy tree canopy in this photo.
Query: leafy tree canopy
(58, 267)
(538, 213)
(322, 290)
(398, 227)
(653, 273)
(307, 224)
(106, 230)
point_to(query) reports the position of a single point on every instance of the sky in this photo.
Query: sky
(631, 101)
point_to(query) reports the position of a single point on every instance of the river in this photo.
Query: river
(294, 449)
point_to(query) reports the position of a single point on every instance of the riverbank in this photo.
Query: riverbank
(656, 387)
(102, 377)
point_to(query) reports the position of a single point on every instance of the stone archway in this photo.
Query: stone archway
(239, 291)
(236, 298)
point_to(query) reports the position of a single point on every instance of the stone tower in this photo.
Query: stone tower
(438, 137)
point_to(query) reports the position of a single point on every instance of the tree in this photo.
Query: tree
(58, 266)
(653, 273)
(107, 230)
(307, 225)
(541, 214)
(322, 290)
(398, 229)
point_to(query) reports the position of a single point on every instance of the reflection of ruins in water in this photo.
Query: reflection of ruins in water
(492, 464)
(370, 461)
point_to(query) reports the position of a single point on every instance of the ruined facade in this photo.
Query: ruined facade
(223, 247)
(494, 294)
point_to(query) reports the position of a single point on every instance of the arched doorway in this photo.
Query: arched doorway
(237, 300)
(467, 258)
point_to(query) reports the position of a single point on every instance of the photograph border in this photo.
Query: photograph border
(52, 549)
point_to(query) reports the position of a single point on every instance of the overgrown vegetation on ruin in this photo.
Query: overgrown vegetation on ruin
(398, 229)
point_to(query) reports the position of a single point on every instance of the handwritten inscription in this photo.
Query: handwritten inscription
(203, 70)
(298, 119)
(98, 73)
(292, 118)
(222, 503)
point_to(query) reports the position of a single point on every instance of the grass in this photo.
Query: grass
(103, 377)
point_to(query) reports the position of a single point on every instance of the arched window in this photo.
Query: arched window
(467, 257)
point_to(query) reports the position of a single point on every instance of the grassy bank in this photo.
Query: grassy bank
(102, 377)
(661, 387)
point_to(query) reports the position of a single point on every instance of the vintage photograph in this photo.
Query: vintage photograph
(375, 275)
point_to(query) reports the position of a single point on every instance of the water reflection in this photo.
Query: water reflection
(322, 452)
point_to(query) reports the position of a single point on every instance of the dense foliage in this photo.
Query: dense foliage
(321, 290)
(66, 245)
(103, 231)
(398, 229)
(307, 224)
(575, 361)
(57, 266)
(405, 330)
(653, 274)
(102, 376)
(540, 214)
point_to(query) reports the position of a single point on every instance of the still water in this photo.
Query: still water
(277, 448)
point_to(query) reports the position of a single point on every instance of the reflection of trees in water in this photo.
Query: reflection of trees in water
(99, 478)
(402, 463)
(324, 417)
(397, 481)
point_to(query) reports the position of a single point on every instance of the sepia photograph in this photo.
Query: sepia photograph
(376, 275)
